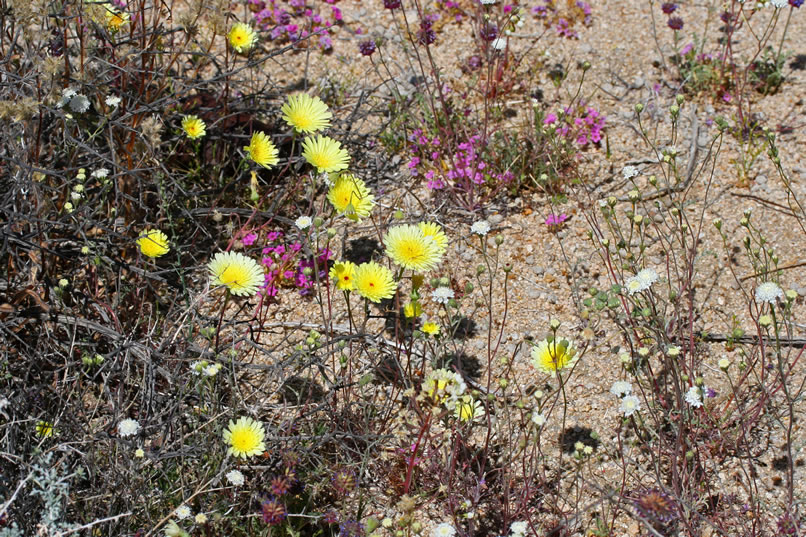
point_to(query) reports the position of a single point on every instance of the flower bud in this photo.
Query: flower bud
(639, 108)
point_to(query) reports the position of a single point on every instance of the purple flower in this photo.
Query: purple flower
(675, 23)
(668, 7)
(249, 239)
(367, 48)
(426, 35)
(488, 32)
(273, 511)
(391, 4)
(556, 219)
(795, 3)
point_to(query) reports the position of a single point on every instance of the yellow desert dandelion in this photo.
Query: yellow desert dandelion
(115, 19)
(350, 197)
(261, 150)
(434, 231)
(241, 37)
(468, 409)
(343, 274)
(245, 438)
(432, 329)
(552, 356)
(306, 114)
(44, 429)
(408, 247)
(374, 282)
(194, 127)
(240, 274)
(153, 243)
(325, 154)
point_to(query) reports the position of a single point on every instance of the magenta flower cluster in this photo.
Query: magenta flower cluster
(295, 23)
(564, 22)
(554, 221)
(286, 264)
(583, 124)
(462, 170)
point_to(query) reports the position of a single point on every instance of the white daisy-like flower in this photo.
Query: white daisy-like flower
(197, 367)
(79, 104)
(100, 173)
(481, 228)
(518, 528)
(128, 427)
(112, 100)
(201, 518)
(499, 43)
(212, 370)
(769, 292)
(647, 276)
(621, 388)
(641, 281)
(67, 94)
(780, 4)
(443, 530)
(694, 397)
(538, 418)
(182, 512)
(629, 405)
(487, 2)
(442, 295)
(629, 172)
(235, 477)
(303, 222)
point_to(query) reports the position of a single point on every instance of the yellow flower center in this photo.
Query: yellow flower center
(301, 120)
(244, 440)
(232, 277)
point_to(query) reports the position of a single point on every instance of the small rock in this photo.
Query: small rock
(495, 219)
(761, 179)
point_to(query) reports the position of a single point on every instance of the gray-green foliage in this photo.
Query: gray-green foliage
(53, 488)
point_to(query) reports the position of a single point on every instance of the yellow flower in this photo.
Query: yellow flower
(193, 126)
(442, 384)
(552, 356)
(241, 37)
(467, 409)
(344, 274)
(432, 329)
(153, 243)
(412, 309)
(350, 196)
(434, 231)
(240, 274)
(306, 114)
(374, 282)
(261, 150)
(44, 429)
(245, 438)
(325, 154)
(115, 19)
(408, 247)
